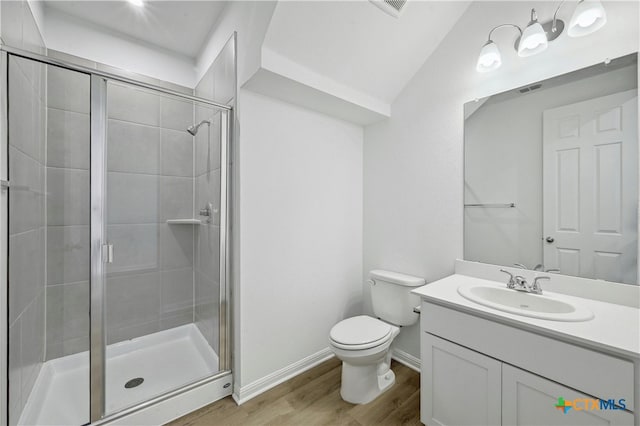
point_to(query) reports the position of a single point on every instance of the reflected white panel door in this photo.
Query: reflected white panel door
(590, 162)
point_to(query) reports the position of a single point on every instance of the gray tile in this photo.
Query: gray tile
(207, 143)
(15, 372)
(207, 297)
(26, 270)
(177, 291)
(208, 252)
(68, 90)
(177, 153)
(132, 300)
(67, 316)
(31, 70)
(68, 139)
(53, 350)
(32, 341)
(208, 191)
(68, 254)
(168, 321)
(132, 198)
(175, 114)
(24, 117)
(207, 322)
(134, 105)
(135, 248)
(67, 197)
(77, 345)
(177, 246)
(132, 147)
(26, 198)
(41, 130)
(176, 198)
(224, 82)
(204, 89)
(131, 332)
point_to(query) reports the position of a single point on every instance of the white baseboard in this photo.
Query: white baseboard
(245, 393)
(407, 359)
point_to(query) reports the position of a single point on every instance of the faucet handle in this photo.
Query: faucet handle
(512, 282)
(535, 287)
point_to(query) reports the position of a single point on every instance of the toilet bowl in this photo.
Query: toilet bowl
(363, 343)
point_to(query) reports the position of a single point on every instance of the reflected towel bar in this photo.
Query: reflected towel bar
(497, 205)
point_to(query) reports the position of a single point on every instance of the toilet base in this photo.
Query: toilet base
(362, 384)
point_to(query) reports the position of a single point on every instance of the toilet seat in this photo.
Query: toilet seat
(360, 332)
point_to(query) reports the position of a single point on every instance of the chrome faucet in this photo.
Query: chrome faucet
(535, 287)
(512, 280)
(519, 283)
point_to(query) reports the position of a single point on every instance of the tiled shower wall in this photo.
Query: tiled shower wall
(68, 139)
(26, 203)
(26, 229)
(149, 286)
(219, 85)
(150, 180)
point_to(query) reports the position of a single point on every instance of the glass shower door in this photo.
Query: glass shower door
(116, 207)
(162, 220)
(49, 251)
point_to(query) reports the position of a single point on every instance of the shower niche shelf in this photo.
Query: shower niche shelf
(184, 222)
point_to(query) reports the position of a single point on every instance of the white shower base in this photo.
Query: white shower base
(166, 360)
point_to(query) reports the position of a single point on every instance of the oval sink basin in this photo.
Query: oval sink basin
(525, 304)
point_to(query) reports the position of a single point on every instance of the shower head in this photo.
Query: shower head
(193, 129)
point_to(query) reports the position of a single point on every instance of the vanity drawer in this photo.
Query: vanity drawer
(594, 373)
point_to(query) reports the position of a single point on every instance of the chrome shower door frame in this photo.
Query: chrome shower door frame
(97, 353)
(98, 126)
(4, 239)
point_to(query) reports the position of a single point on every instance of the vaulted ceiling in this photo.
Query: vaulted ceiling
(344, 57)
(181, 27)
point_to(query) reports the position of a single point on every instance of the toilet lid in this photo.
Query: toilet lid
(359, 330)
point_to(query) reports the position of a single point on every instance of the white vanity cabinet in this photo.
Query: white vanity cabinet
(528, 399)
(477, 371)
(458, 386)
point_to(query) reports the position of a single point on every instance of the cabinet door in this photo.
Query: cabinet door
(528, 399)
(459, 386)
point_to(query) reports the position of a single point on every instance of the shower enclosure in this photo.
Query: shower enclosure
(114, 218)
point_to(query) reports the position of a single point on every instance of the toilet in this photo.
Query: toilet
(363, 343)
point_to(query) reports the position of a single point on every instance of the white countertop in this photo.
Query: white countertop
(614, 329)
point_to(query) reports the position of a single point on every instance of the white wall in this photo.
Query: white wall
(301, 239)
(70, 35)
(352, 48)
(504, 164)
(413, 162)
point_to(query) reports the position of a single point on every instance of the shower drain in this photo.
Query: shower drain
(134, 382)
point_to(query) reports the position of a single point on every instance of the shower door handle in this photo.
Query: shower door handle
(108, 253)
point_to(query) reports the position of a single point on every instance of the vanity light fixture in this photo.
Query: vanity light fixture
(588, 17)
(490, 58)
(533, 39)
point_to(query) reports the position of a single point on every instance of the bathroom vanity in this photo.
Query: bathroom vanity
(498, 359)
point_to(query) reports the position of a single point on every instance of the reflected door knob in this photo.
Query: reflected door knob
(549, 240)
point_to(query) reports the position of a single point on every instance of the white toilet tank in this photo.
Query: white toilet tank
(391, 296)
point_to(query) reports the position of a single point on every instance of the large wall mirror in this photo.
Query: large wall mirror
(551, 174)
